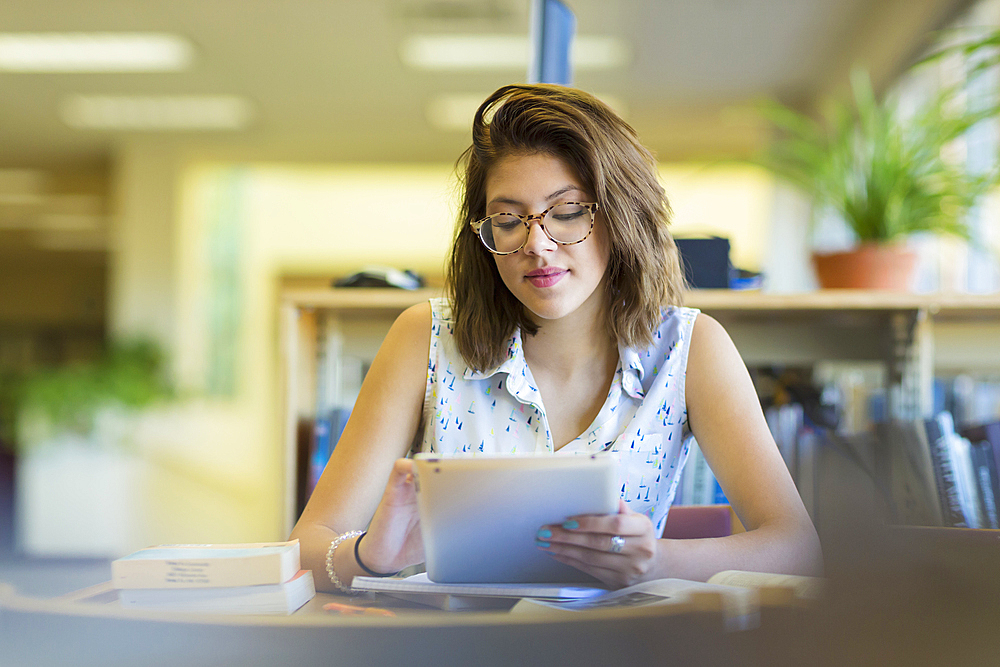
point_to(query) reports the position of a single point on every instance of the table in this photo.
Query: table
(83, 631)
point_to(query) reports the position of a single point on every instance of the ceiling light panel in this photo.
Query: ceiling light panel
(157, 113)
(495, 52)
(94, 52)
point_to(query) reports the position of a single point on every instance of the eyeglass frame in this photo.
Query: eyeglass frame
(477, 225)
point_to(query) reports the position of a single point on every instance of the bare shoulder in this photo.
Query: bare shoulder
(711, 350)
(410, 334)
(416, 318)
(707, 331)
(717, 380)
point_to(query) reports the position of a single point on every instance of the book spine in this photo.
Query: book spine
(805, 478)
(986, 479)
(321, 452)
(951, 508)
(951, 511)
(961, 463)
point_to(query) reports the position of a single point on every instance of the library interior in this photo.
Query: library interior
(212, 213)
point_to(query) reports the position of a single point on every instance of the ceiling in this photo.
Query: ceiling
(326, 81)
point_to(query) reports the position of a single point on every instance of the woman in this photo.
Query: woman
(562, 333)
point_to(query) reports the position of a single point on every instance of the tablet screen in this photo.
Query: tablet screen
(479, 515)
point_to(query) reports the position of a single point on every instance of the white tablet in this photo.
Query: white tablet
(479, 515)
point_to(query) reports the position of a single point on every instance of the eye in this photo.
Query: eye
(568, 212)
(503, 222)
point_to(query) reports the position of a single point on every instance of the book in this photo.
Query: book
(911, 478)
(421, 584)
(958, 450)
(989, 432)
(207, 565)
(283, 598)
(938, 429)
(805, 473)
(740, 593)
(698, 485)
(984, 467)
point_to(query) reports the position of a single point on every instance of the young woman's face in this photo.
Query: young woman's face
(549, 279)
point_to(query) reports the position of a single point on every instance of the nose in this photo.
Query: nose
(538, 241)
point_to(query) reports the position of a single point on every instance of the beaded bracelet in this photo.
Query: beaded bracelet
(329, 559)
(357, 557)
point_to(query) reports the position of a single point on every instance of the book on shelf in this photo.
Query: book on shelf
(698, 485)
(277, 599)
(985, 432)
(207, 565)
(327, 429)
(911, 482)
(966, 480)
(971, 399)
(984, 468)
(985, 447)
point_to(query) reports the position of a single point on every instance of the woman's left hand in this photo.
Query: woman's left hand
(586, 543)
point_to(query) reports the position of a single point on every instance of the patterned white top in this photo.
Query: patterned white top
(644, 419)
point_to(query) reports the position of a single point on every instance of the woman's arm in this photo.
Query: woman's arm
(726, 419)
(381, 429)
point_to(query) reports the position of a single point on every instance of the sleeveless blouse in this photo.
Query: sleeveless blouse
(643, 422)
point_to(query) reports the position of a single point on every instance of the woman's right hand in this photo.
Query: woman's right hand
(393, 540)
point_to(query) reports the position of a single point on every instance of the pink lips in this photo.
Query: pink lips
(545, 277)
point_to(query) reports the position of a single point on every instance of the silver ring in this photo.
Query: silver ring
(617, 544)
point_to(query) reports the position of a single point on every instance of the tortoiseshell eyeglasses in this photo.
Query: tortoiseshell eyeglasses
(566, 223)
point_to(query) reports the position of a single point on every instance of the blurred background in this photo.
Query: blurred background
(173, 174)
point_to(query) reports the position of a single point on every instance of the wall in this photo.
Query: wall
(199, 248)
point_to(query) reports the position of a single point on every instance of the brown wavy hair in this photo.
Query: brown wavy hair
(644, 272)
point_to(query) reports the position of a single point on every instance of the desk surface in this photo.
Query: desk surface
(65, 631)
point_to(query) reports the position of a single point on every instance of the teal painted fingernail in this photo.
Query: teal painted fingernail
(544, 534)
(571, 524)
(539, 543)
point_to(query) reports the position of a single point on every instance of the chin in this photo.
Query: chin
(554, 310)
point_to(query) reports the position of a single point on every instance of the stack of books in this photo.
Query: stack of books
(262, 578)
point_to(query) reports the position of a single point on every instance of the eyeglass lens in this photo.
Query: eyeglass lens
(563, 223)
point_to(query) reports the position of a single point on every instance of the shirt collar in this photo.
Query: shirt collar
(516, 367)
(632, 372)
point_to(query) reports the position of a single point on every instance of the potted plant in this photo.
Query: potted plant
(887, 174)
(77, 474)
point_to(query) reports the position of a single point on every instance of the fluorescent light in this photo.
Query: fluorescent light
(476, 52)
(453, 112)
(164, 112)
(94, 52)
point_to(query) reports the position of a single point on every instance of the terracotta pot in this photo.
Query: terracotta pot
(869, 266)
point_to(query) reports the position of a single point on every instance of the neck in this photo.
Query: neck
(571, 344)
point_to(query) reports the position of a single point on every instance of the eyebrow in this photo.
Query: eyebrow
(515, 202)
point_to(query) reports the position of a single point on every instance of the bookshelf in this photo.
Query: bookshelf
(327, 334)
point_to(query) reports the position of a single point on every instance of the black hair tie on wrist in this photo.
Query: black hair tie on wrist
(364, 567)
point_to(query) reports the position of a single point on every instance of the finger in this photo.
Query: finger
(600, 542)
(597, 548)
(399, 488)
(403, 467)
(631, 523)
